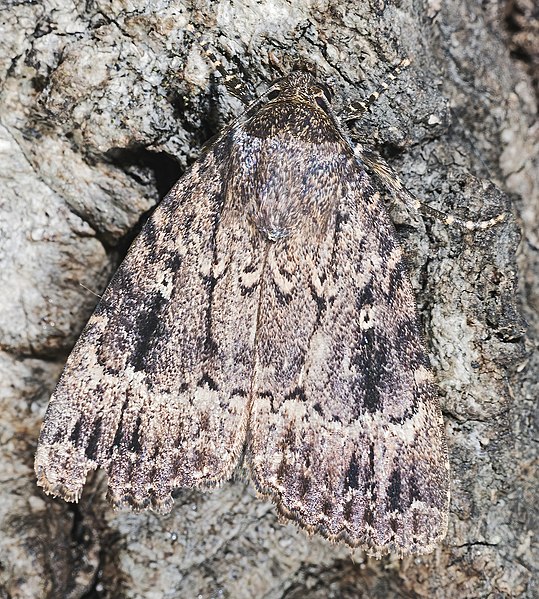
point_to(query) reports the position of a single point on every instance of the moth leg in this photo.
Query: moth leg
(392, 181)
(234, 85)
(360, 107)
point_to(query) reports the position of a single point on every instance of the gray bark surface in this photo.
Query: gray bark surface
(102, 106)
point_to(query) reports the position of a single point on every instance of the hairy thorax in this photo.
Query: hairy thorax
(297, 194)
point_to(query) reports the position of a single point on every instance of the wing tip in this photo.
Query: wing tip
(61, 470)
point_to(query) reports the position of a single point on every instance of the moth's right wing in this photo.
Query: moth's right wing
(156, 389)
(345, 432)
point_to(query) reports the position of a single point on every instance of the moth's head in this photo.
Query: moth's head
(302, 86)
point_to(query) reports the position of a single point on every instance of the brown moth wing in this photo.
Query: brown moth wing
(345, 433)
(156, 389)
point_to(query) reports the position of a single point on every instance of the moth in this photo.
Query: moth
(264, 316)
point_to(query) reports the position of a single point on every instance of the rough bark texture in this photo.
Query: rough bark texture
(102, 106)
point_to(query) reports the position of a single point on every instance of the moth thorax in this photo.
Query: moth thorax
(282, 211)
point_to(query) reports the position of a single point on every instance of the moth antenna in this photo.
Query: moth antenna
(360, 107)
(92, 292)
(234, 85)
(392, 181)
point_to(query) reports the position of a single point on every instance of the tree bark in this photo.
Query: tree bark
(103, 106)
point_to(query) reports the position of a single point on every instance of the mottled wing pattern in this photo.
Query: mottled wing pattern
(345, 432)
(265, 304)
(156, 389)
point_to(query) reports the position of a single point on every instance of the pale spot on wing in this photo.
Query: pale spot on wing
(423, 375)
(367, 317)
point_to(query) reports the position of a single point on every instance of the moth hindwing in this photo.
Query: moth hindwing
(265, 306)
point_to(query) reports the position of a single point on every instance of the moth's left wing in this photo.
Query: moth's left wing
(156, 389)
(345, 431)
